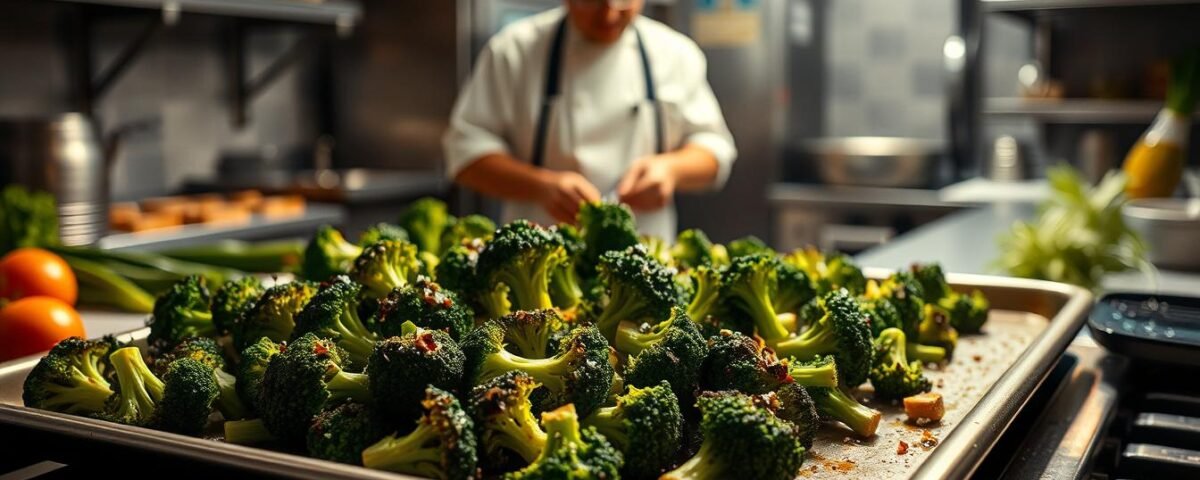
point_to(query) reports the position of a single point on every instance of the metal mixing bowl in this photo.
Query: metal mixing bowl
(876, 161)
(1171, 229)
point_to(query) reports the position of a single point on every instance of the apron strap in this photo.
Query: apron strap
(552, 90)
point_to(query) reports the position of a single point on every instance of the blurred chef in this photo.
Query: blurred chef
(587, 102)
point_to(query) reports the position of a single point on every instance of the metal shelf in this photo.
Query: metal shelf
(1022, 6)
(343, 14)
(1075, 111)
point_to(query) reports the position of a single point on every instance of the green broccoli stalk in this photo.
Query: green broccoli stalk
(380, 231)
(274, 314)
(925, 353)
(503, 413)
(301, 381)
(442, 446)
(528, 333)
(579, 373)
(638, 289)
(139, 391)
(842, 332)
(935, 330)
(604, 227)
(750, 285)
(247, 432)
(742, 438)
(386, 265)
(333, 313)
(692, 249)
(327, 254)
(72, 378)
(817, 372)
(571, 452)
(424, 220)
(522, 257)
(738, 362)
(402, 366)
(892, 375)
(182, 312)
(707, 294)
(968, 312)
(645, 425)
(233, 299)
(835, 404)
(342, 433)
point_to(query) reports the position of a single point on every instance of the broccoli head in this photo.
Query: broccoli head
(327, 254)
(342, 433)
(522, 257)
(442, 446)
(427, 305)
(528, 333)
(206, 351)
(692, 249)
(750, 285)
(880, 311)
(251, 369)
(638, 289)
(456, 267)
(72, 378)
(793, 288)
(968, 312)
(842, 332)
(935, 329)
(182, 312)
(645, 425)
(467, 229)
(503, 413)
(748, 245)
(578, 373)
(932, 280)
(424, 220)
(305, 378)
(837, 405)
(234, 298)
(189, 391)
(743, 438)
(829, 272)
(139, 391)
(571, 452)
(791, 402)
(892, 375)
(402, 366)
(905, 293)
(671, 351)
(386, 265)
(817, 372)
(333, 313)
(605, 227)
(380, 231)
(738, 362)
(273, 314)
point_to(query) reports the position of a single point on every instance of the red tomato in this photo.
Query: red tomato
(35, 324)
(27, 272)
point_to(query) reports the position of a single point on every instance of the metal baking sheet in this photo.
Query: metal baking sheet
(991, 377)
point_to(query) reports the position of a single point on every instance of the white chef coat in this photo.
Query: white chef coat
(601, 122)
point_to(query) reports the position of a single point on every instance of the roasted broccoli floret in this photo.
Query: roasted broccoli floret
(750, 285)
(467, 229)
(968, 312)
(793, 290)
(251, 369)
(571, 452)
(503, 413)
(692, 249)
(748, 245)
(579, 373)
(791, 402)
(386, 265)
(880, 311)
(522, 258)
(829, 272)
(817, 372)
(671, 351)
(182, 312)
(933, 281)
(645, 425)
(906, 294)
(333, 313)
(656, 248)
(274, 314)
(456, 268)
(935, 330)
(892, 375)
(208, 352)
(605, 227)
(381, 231)
(527, 333)
(842, 332)
(424, 220)
(72, 377)
(234, 298)
(427, 305)
(706, 296)
(402, 366)
(328, 254)
(138, 391)
(738, 362)
(742, 439)
(638, 288)
(835, 404)
(342, 433)
(301, 381)
(442, 446)
(189, 390)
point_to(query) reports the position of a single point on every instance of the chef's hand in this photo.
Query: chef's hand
(563, 191)
(649, 184)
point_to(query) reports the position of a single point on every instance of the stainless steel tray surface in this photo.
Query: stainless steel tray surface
(990, 378)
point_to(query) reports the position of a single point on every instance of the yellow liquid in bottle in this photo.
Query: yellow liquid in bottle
(1154, 170)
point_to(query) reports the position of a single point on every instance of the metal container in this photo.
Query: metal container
(64, 156)
(876, 161)
(1170, 227)
(1032, 323)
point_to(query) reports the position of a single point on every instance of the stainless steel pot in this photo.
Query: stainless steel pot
(62, 155)
(1170, 227)
(876, 161)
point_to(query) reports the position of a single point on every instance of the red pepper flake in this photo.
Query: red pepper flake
(320, 349)
(902, 448)
(426, 343)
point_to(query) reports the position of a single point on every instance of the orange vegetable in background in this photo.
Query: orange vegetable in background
(27, 272)
(35, 324)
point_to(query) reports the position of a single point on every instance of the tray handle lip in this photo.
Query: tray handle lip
(961, 452)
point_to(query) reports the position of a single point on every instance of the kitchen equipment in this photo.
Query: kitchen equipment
(1008, 159)
(62, 155)
(1170, 227)
(1159, 328)
(1031, 324)
(875, 161)
(1097, 154)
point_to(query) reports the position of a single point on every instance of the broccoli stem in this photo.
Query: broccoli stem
(84, 395)
(925, 353)
(562, 429)
(550, 372)
(817, 340)
(495, 301)
(564, 287)
(630, 341)
(529, 341)
(518, 432)
(836, 404)
(247, 432)
(705, 299)
(344, 385)
(418, 453)
(229, 402)
(754, 298)
(610, 422)
(530, 289)
(141, 390)
(824, 375)
(623, 305)
(702, 466)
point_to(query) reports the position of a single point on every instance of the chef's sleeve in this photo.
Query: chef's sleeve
(482, 115)
(702, 122)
